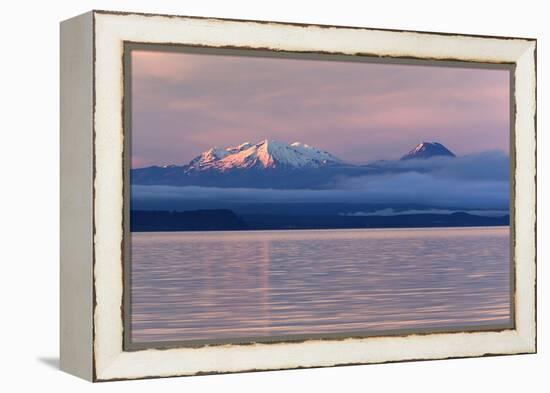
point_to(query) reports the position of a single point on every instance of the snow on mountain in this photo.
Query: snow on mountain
(208, 157)
(427, 150)
(262, 155)
(241, 147)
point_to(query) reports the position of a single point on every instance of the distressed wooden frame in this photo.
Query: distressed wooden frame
(93, 186)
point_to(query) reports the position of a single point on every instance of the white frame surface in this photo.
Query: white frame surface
(108, 360)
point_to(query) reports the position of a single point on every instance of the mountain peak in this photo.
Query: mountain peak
(428, 150)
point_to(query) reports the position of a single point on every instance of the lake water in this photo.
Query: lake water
(226, 285)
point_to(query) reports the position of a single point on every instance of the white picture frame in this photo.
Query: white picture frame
(93, 181)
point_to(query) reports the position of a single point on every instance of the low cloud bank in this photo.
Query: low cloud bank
(402, 188)
(490, 165)
(478, 181)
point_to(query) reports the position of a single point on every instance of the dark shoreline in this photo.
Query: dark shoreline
(227, 220)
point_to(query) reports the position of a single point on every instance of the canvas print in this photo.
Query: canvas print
(279, 197)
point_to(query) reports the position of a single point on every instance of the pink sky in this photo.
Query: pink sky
(186, 103)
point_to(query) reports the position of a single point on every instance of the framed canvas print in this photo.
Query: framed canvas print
(245, 195)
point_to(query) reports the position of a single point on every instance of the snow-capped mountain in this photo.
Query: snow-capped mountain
(266, 164)
(273, 164)
(428, 150)
(267, 154)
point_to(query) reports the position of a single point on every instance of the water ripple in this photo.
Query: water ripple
(221, 285)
